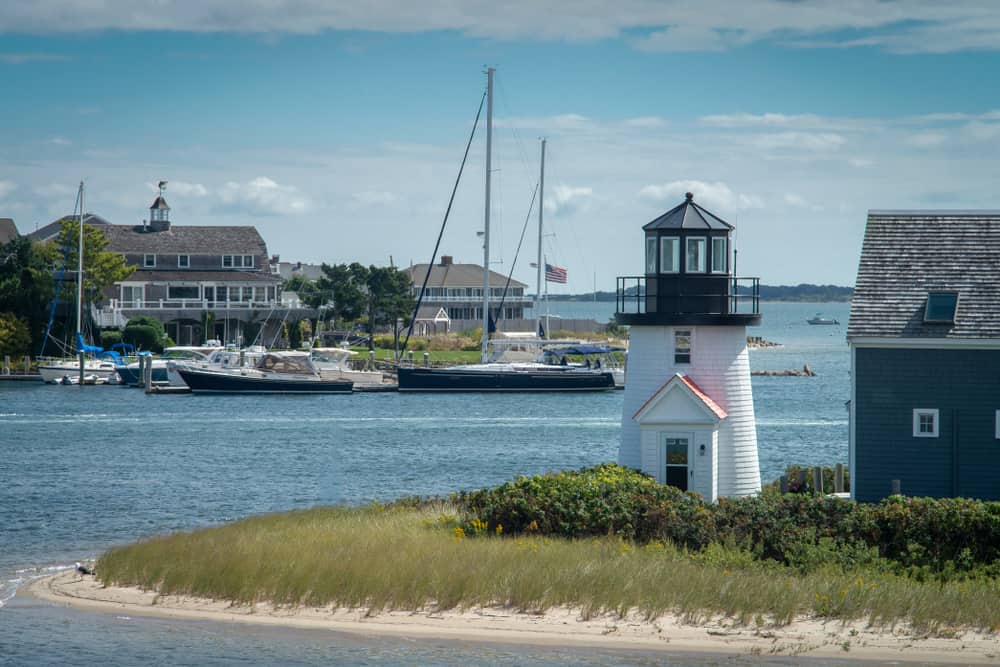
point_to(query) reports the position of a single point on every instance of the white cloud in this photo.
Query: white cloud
(373, 197)
(765, 120)
(55, 191)
(798, 201)
(928, 26)
(263, 196)
(181, 189)
(645, 122)
(566, 200)
(59, 141)
(807, 141)
(717, 194)
(6, 187)
(926, 139)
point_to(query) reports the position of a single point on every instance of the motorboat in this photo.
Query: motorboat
(275, 373)
(130, 374)
(332, 363)
(220, 358)
(819, 319)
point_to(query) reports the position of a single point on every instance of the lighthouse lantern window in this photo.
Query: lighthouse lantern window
(670, 254)
(650, 254)
(719, 255)
(682, 346)
(696, 255)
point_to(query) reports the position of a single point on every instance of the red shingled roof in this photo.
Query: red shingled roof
(694, 388)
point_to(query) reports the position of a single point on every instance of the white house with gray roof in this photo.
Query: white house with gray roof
(924, 337)
(201, 281)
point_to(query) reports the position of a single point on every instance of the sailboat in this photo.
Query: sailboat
(98, 368)
(498, 375)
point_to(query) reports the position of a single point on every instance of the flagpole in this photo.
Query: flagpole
(547, 329)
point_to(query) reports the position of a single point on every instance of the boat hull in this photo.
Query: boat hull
(130, 374)
(457, 380)
(234, 383)
(55, 372)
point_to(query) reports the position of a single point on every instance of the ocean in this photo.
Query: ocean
(82, 469)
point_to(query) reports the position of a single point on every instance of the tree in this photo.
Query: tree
(101, 269)
(382, 294)
(26, 287)
(15, 340)
(146, 333)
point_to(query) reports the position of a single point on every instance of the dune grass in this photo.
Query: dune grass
(382, 559)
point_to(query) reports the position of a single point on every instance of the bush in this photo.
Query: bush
(920, 537)
(146, 333)
(110, 337)
(15, 338)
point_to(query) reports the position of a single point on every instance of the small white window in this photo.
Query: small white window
(149, 261)
(670, 254)
(997, 427)
(925, 423)
(183, 261)
(227, 261)
(720, 255)
(682, 346)
(247, 261)
(650, 254)
(695, 255)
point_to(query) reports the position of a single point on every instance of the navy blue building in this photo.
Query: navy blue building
(925, 356)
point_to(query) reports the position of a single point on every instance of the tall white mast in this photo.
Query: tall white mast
(541, 206)
(79, 289)
(486, 219)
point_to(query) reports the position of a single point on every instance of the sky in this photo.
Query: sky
(338, 128)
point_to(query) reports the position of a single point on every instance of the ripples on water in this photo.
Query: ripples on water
(84, 468)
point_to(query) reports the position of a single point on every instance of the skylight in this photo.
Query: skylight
(941, 307)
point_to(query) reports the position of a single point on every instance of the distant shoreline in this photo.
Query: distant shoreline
(559, 627)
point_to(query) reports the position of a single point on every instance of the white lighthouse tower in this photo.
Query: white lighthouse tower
(688, 415)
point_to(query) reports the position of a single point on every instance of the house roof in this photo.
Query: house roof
(146, 276)
(688, 215)
(186, 239)
(683, 381)
(51, 230)
(8, 230)
(457, 275)
(432, 314)
(160, 202)
(907, 254)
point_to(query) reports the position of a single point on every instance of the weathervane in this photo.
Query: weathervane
(163, 186)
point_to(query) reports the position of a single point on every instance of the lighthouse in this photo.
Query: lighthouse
(688, 416)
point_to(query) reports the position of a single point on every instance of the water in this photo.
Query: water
(82, 469)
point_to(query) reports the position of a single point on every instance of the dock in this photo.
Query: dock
(20, 377)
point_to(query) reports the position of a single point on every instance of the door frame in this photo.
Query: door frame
(662, 436)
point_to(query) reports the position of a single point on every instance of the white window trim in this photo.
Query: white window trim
(935, 414)
(676, 258)
(997, 425)
(146, 264)
(652, 248)
(704, 254)
(725, 242)
(186, 265)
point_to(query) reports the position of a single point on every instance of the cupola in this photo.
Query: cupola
(689, 273)
(159, 212)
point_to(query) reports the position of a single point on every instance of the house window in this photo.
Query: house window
(149, 261)
(925, 423)
(682, 346)
(182, 292)
(247, 261)
(941, 307)
(650, 254)
(695, 255)
(227, 261)
(997, 425)
(720, 255)
(670, 254)
(183, 261)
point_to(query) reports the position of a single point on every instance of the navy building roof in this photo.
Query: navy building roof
(908, 255)
(688, 215)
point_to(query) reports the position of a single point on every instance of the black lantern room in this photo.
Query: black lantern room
(689, 274)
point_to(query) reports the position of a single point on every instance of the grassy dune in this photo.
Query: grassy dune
(381, 558)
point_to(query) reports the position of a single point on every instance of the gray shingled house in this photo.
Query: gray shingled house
(191, 277)
(8, 230)
(924, 336)
(458, 289)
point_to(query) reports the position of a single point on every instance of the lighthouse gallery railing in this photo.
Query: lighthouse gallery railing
(725, 295)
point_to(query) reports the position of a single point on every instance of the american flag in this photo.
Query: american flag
(555, 274)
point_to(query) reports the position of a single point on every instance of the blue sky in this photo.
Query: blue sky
(337, 129)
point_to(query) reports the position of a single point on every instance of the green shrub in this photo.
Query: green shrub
(15, 338)
(146, 333)
(110, 337)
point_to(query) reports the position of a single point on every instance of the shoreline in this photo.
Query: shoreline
(554, 628)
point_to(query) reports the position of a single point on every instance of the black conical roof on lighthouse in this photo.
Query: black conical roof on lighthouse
(688, 215)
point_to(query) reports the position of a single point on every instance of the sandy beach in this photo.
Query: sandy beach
(561, 627)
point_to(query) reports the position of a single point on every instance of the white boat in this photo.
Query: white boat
(819, 319)
(129, 373)
(54, 371)
(221, 358)
(331, 362)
